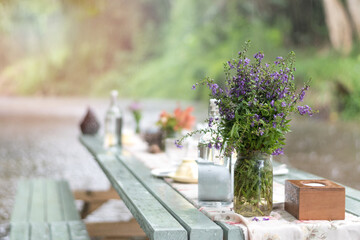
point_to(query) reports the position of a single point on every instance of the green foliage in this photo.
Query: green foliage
(335, 82)
(198, 38)
(147, 48)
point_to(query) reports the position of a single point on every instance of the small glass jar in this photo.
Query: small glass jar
(174, 154)
(215, 182)
(253, 184)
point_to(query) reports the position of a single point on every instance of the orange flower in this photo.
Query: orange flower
(181, 119)
(184, 120)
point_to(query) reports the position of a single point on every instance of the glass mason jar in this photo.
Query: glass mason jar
(253, 184)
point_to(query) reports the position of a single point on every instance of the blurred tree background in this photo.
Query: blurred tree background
(160, 48)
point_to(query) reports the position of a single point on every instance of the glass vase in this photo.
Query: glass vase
(137, 127)
(253, 184)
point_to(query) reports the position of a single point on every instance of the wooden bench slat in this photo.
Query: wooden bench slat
(78, 230)
(196, 223)
(53, 201)
(22, 202)
(38, 204)
(20, 231)
(39, 231)
(153, 218)
(45, 210)
(69, 208)
(59, 231)
(231, 232)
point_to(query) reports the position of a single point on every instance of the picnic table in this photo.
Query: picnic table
(168, 210)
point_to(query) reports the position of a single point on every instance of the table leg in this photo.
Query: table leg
(94, 199)
(116, 230)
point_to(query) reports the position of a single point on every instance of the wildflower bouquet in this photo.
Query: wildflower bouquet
(255, 104)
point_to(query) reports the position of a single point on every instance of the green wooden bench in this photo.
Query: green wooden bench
(45, 210)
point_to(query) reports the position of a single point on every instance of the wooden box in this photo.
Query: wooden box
(315, 199)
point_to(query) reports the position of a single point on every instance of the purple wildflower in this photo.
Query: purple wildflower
(302, 93)
(255, 219)
(217, 145)
(210, 121)
(214, 88)
(246, 61)
(230, 116)
(282, 94)
(272, 103)
(259, 56)
(178, 145)
(283, 104)
(278, 151)
(281, 115)
(274, 124)
(230, 65)
(209, 145)
(305, 110)
(285, 78)
(261, 132)
(266, 219)
(193, 87)
(278, 60)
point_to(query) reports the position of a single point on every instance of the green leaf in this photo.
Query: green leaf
(237, 117)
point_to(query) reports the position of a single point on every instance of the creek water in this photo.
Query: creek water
(39, 138)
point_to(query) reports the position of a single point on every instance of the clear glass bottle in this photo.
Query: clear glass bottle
(214, 176)
(113, 123)
(207, 153)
